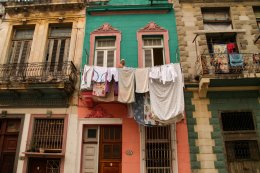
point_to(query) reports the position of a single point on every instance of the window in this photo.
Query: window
(217, 42)
(153, 52)
(158, 149)
(48, 135)
(257, 15)
(105, 53)
(216, 19)
(58, 46)
(153, 45)
(105, 46)
(21, 45)
(241, 141)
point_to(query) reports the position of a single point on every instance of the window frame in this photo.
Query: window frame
(59, 38)
(152, 30)
(61, 155)
(238, 135)
(10, 53)
(105, 50)
(151, 48)
(104, 31)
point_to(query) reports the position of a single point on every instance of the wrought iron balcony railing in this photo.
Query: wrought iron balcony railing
(43, 72)
(222, 63)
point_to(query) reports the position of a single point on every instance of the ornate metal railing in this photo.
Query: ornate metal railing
(223, 63)
(43, 72)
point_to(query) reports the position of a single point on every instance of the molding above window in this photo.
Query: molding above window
(152, 29)
(106, 30)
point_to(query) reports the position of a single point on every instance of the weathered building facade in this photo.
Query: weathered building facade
(141, 33)
(41, 48)
(219, 50)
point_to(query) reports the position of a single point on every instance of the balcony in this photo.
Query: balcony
(37, 84)
(26, 5)
(228, 70)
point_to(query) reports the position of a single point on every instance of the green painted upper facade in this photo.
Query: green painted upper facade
(130, 24)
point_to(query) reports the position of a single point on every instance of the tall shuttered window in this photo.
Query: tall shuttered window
(153, 52)
(21, 45)
(105, 52)
(158, 149)
(58, 46)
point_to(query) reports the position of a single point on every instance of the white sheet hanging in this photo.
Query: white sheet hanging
(86, 77)
(167, 100)
(141, 80)
(126, 85)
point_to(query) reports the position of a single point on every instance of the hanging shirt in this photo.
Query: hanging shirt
(155, 73)
(112, 72)
(99, 74)
(141, 80)
(86, 77)
(168, 73)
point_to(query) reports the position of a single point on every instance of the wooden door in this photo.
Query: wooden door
(110, 149)
(90, 158)
(9, 133)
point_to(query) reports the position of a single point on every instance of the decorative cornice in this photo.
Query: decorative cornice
(105, 28)
(99, 112)
(152, 27)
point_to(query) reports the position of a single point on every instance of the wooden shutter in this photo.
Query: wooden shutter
(110, 58)
(20, 51)
(148, 58)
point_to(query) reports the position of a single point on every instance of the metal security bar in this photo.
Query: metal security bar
(236, 121)
(38, 72)
(48, 134)
(53, 166)
(242, 150)
(158, 155)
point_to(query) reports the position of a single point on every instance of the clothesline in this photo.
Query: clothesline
(164, 84)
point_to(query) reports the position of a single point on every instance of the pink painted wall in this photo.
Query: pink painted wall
(183, 153)
(131, 139)
(130, 133)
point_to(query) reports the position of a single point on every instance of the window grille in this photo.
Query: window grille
(242, 150)
(48, 134)
(158, 152)
(53, 166)
(236, 121)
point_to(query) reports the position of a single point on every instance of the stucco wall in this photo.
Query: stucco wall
(129, 25)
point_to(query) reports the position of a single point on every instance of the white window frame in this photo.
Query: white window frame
(151, 49)
(174, 149)
(105, 50)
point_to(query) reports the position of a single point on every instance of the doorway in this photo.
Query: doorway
(9, 133)
(102, 149)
